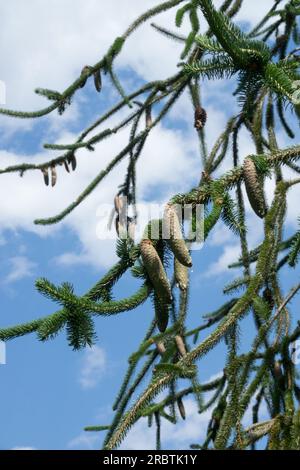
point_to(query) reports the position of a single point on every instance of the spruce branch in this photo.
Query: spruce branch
(265, 64)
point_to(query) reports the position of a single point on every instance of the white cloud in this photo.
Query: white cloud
(23, 448)
(93, 367)
(160, 170)
(191, 430)
(229, 255)
(170, 162)
(186, 432)
(253, 15)
(179, 437)
(85, 441)
(220, 235)
(71, 25)
(249, 12)
(20, 267)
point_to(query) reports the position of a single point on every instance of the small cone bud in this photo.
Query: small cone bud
(66, 166)
(117, 225)
(119, 204)
(200, 118)
(254, 188)
(176, 241)
(181, 275)
(125, 228)
(73, 162)
(156, 272)
(277, 370)
(268, 297)
(282, 39)
(97, 80)
(148, 117)
(53, 176)
(180, 345)
(181, 408)
(46, 176)
(84, 73)
(161, 348)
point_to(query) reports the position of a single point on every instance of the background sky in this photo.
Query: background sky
(48, 392)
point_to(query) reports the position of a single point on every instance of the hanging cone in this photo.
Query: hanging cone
(53, 176)
(148, 117)
(119, 203)
(160, 348)
(268, 297)
(278, 370)
(66, 166)
(254, 188)
(46, 176)
(73, 162)
(180, 345)
(176, 241)
(156, 273)
(98, 80)
(200, 118)
(181, 274)
(161, 314)
(84, 73)
(125, 228)
(181, 408)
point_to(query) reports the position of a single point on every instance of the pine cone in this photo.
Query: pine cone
(156, 272)
(125, 227)
(72, 161)
(268, 297)
(46, 176)
(176, 241)
(66, 166)
(181, 408)
(84, 73)
(200, 118)
(53, 176)
(180, 345)
(98, 80)
(161, 348)
(161, 313)
(181, 275)
(281, 40)
(278, 371)
(119, 204)
(148, 117)
(254, 188)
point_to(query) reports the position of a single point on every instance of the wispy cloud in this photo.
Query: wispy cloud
(179, 437)
(193, 429)
(20, 267)
(93, 367)
(219, 267)
(85, 441)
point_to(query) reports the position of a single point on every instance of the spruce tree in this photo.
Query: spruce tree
(263, 64)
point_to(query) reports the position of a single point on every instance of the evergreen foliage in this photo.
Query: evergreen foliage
(265, 64)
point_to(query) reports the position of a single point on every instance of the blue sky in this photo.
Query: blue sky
(48, 392)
